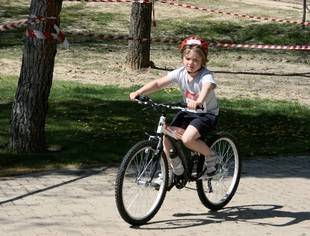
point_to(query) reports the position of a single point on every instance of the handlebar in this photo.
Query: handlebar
(141, 99)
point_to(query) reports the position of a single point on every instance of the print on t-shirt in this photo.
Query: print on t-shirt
(190, 96)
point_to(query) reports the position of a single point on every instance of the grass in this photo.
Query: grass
(97, 124)
(105, 22)
(238, 32)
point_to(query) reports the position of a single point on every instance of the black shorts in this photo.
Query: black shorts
(203, 122)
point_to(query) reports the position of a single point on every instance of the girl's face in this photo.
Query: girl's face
(192, 61)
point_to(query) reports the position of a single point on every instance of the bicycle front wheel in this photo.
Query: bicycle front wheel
(216, 191)
(141, 183)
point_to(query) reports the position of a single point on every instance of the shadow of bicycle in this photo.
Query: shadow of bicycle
(263, 215)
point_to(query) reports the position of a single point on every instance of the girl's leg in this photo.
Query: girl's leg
(191, 140)
(166, 142)
(167, 147)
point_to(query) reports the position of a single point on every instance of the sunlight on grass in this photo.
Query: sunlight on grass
(97, 124)
(109, 20)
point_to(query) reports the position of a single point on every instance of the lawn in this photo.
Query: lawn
(264, 96)
(95, 125)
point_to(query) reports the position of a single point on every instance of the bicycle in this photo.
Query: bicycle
(138, 193)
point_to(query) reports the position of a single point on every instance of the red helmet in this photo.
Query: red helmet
(194, 40)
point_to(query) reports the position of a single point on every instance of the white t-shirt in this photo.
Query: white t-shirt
(192, 89)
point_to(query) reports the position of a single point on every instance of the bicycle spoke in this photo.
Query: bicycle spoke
(140, 199)
(223, 184)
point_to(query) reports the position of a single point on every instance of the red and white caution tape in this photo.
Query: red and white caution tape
(21, 23)
(235, 14)
(37, 19)
(58, 36)
(113, 1)
(264, 46)
(107, 36)
(179, 39)
(214, 11)
(13, 25)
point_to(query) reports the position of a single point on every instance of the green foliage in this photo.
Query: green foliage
(97, 125)
(266, 127)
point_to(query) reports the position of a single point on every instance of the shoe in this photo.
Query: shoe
(211, 172)
(158, 181)
(212, 166)
(194, 170)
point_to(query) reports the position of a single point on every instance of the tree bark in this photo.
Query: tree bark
(140, 36)
(31, 100)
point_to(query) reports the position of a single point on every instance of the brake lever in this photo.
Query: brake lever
(142, 98)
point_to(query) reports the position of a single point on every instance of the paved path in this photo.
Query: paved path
(273, 199)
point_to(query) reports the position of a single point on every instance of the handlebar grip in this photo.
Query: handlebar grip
(142, 98)
(200, 107)
(184, 104)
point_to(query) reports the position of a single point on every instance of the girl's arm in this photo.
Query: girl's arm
(151, 87)
(206, 88)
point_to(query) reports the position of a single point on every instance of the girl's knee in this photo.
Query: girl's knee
(165, 140)
(186, 140)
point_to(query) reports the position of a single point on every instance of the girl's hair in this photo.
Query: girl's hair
(197, 49)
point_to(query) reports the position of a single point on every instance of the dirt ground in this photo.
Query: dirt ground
(240, 74)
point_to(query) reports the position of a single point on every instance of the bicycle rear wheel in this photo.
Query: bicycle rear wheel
(141, 183)
(216, 191)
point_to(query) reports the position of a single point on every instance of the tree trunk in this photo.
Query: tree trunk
(140, 35)
(31, 100)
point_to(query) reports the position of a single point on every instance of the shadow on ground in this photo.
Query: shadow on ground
(75, 174)
(263, 215)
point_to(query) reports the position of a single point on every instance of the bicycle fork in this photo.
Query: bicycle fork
(158, 151)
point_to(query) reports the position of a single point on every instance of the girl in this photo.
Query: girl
(197, 85)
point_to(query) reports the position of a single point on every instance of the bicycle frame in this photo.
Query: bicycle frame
(163, 130)
(184, 153)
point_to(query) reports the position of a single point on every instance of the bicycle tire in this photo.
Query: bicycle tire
(138, 199)
(225, 145)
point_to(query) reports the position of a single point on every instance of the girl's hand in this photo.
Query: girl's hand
(133, 95)
(193, 105)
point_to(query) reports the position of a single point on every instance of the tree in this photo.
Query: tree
(30, 107)
(139, 35)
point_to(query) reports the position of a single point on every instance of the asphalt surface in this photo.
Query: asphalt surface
(273, 198)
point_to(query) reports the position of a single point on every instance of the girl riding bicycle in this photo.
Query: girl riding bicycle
(197, 85)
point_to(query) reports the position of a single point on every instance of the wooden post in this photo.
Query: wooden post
(304, 15)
